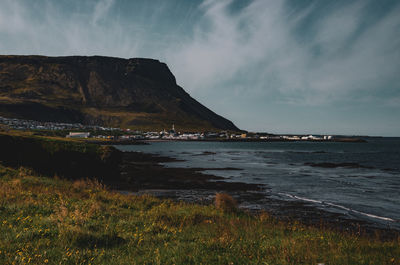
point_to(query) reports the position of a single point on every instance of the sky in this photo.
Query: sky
(279, 66)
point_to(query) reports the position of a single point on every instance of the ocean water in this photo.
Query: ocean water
(367, 189)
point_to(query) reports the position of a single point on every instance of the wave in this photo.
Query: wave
(336, 165)
(300, 198)
(309, 152)
(362, 213)
(339, 206)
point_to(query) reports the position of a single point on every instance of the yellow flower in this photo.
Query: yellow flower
(46, 261)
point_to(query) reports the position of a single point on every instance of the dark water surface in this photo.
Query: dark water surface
(361, 180)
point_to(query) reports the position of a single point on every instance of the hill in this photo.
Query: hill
(133, 93)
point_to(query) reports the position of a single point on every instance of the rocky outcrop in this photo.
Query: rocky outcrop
(136, 93)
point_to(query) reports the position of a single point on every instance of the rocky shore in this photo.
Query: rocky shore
(145, 174)
(138, 173)
(144, 171)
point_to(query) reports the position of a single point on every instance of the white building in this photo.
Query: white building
(78, 135)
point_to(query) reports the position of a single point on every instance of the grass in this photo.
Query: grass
(225, 202)
(44, 135)
(144, 121)
(55, 221)
(51, 156)
(53, 143)
(113, 117)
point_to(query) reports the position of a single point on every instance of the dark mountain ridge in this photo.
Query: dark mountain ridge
(131, 93)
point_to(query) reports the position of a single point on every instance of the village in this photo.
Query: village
(95, 132)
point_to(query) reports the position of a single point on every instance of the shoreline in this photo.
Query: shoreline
(54, 220)
(144, 171)
(191, 185)
(147, 141)
(120, 171)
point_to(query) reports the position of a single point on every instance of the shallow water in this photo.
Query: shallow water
(366, 188)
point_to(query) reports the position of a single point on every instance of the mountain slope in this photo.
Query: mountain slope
(132, 93)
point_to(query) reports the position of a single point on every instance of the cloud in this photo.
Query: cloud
(12, 17)
(100, 10)
(50, 28)
(266, 49)
(241, 58)
(260, 50)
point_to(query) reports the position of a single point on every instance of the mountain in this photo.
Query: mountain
(129, 93)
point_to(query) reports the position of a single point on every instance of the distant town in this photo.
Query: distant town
(77, 130)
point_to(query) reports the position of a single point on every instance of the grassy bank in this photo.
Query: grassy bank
(55, 221)
(51, 156)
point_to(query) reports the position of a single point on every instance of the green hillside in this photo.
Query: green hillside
(128, 93)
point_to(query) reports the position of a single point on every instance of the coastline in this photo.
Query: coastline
(141, 172)
(103, 216)
(193, 186)
(144, 171)
(55, 221)
(148, 141)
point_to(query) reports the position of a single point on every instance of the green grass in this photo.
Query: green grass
(53, 144)
(55, 221)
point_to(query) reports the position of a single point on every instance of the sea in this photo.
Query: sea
(359, 180)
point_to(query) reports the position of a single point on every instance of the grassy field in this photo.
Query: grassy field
(55, 221)
(69, 158)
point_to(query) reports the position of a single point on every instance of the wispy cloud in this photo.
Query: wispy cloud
(12, 17)
(259, 48)
(100, 10)
(49, 29)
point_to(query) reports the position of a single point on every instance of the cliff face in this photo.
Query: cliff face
(136, 93)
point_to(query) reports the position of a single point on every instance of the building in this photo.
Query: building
(78, 135)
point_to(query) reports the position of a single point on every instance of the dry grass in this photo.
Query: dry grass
(54, 221)
(225, 202)
(88, 184)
